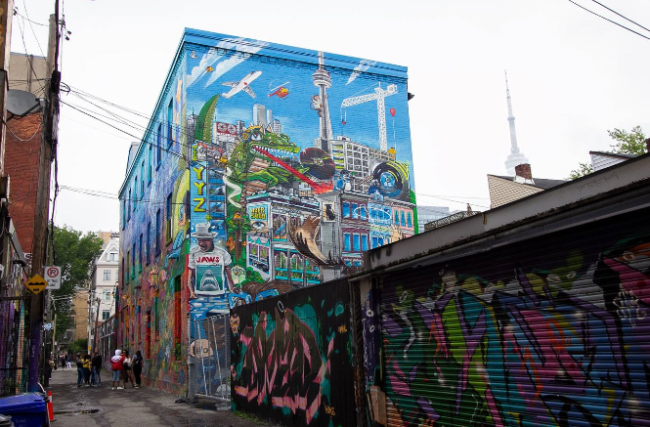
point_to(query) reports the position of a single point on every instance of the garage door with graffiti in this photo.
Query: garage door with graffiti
(554, 331)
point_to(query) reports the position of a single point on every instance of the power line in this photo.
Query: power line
(627, 19)
(609, 20)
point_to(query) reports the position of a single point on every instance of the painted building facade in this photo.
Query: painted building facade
(265, 168)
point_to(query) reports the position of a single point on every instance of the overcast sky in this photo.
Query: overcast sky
(572, 77)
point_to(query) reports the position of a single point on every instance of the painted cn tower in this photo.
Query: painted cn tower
(515, 158)
(322, 80)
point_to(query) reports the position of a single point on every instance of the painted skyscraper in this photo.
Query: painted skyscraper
(515, 158)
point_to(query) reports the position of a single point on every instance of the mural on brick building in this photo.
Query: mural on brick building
(292, 358)
(518, 338)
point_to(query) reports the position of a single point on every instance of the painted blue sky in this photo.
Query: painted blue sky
(298, 120)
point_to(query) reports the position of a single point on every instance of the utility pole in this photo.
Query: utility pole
(47, 155)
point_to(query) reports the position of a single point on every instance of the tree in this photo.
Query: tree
(74, 253)
(633, 142)
(78, 346)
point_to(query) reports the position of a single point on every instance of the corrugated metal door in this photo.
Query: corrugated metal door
(553, 331)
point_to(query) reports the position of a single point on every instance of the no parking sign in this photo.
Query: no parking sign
(53, 277)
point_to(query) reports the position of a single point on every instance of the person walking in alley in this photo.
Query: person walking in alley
(137, 368)
(96, 370)
(68, 362)
(80, 371)
(118, 368)
(128, 369)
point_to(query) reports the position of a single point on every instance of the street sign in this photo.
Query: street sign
(53, 277)
(36, 284)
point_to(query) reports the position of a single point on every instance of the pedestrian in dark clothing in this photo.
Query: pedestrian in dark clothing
(137, 368)
(96, 370)
(127, 369)
(62, 360)
(80, 371)
(86, 365)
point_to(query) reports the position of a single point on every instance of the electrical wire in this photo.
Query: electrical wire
(609, 20)
(627, 19)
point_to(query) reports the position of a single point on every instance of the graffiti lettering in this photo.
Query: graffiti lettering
(208, 260)
(200, 201)
(258, 213)
(199, 187)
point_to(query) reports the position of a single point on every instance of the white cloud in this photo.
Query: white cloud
(363, 66)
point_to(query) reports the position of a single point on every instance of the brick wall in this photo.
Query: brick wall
(22, 155)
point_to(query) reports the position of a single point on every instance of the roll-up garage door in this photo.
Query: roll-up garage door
(551, 331)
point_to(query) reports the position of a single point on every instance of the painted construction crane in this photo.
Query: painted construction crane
(379, 95)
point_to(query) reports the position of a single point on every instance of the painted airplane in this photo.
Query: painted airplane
(243, 84)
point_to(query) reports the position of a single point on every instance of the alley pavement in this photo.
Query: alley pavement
(142, 407)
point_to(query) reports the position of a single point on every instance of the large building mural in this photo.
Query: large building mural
(265, 168)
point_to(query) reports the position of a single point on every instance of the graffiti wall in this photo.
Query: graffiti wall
(292, 358)
(551, 332)
(155, 222)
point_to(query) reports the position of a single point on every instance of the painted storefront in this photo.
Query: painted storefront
(237, 192)
(292, 357)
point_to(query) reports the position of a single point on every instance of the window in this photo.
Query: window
(124, 214)
(142, 181)
(141, 254)
(133, 261)
(396, 217)
(135, 193)
(355, 211)
(363, 214)
(156, 244)
(112, 256)
(403, 222)
(106, 314)
(106, 295)
(107, 275)
(159, 146)
(168, 223)
(148, 242)
(409, 220)
(170, 119)
(346, 210)
(122, 272)
(129, 207)
(347, 243)
(128, 266)
(150, 169)
(364, 242)
(355, 242)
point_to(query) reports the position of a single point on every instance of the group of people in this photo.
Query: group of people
(89, 371)
(125, 368)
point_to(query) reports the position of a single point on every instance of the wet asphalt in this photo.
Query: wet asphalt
(143, 407)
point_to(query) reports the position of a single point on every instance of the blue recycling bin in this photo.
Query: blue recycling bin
(26, 410)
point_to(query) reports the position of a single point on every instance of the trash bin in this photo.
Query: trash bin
(26, 410)
(5, 421)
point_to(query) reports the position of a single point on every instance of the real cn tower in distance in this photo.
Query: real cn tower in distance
(515, 158)
(322, 80)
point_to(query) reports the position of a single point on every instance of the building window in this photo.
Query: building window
(148, 242)
(403, 222)
(156, 243)
(363, 214)
(106, 295)
(124, 214)
(141, 253)
(135, 194)
(112, 256)
(142, 181)
(106, 314)
(355, 242)
(170, 119)
(128, 266)
(409, 220)
(129, 207)
(364, 242)
(107, 275)
(159, 146)
(133, 261)
(355, 211)
(346, 210)
(150, 168)
(347, 242)
(396, 217)
(122, 272)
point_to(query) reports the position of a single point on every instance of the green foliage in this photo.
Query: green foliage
(74, 253)
(632, 142)
(583, 169)
(204, 122)
(79, 346)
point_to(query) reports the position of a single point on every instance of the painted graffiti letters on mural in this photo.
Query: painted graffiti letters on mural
(555, 341)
